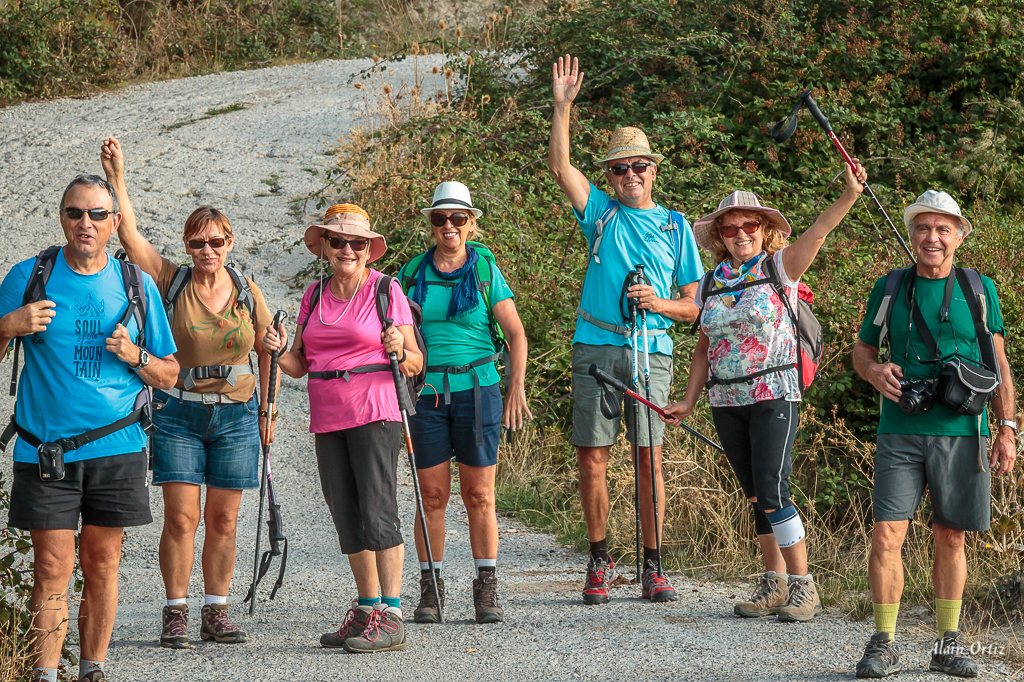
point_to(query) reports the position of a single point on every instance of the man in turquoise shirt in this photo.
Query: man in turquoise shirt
(622, 233)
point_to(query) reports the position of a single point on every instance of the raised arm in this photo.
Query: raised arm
(138, 248)
(565, 86)
(799, 256)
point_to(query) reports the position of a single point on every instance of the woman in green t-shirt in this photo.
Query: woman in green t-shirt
(466, 306)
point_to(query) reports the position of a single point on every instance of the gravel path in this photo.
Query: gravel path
(250, 162)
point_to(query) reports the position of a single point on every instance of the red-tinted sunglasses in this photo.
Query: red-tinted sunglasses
(750, 227)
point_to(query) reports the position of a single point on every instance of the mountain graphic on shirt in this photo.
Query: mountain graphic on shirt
(89, 307)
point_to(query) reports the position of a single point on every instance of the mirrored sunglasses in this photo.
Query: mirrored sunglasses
(96, 214)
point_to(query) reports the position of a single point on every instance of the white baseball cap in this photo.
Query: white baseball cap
(933, 201)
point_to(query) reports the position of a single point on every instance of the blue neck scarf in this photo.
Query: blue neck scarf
(464, 294)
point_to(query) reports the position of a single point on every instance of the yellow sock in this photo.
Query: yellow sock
(948, 612)
(885, 618)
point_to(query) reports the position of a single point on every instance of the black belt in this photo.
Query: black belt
(344, 373)
(748, 378)
(69, 444)
(478, 427)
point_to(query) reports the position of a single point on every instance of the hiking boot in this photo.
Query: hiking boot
(94, 676)
(803, 603)
(656, 587)
(485, 599)
(950, 655)
(384, 631)
(175, 630)
(353, 626)
(768, 597)
(600, 576)
(218, 627)
(881, 658)
(427, 611)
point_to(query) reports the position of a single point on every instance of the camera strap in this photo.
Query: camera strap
(918, 318)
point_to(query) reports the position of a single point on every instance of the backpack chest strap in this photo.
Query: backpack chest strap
(230, 373)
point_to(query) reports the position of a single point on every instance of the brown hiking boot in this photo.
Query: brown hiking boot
(175, 630)
(485, 599)
(353, 626)
(427, 611)
(803, 603)
(218, 627)
(384, 631)
(769, 596)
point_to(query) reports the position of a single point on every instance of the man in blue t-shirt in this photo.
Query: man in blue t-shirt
(621, 233)
(79, 399)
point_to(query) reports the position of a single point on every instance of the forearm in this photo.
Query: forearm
(798, 257)
(865, 357)
(137, 247)
(293, 364)
(413, 362)
(264, 368)
(160, 373)
(558, 144)
(518, 352)
(678, 309)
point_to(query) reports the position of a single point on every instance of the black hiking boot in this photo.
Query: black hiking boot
(881, 658)
(427, 611)
(951, 655)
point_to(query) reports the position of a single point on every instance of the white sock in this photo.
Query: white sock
(215, 599)
(176, 602)
(425, 566)
(801, 577)
(484, 563)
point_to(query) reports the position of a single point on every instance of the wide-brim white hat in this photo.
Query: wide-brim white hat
(934, 201)
(452, 196)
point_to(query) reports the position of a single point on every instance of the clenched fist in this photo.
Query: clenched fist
(29, 319)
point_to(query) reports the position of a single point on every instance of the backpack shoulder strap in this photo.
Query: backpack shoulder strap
(893, 282)
(613, 207)
(410, 273)
(242, 285)
(178, 283)
(318, 293)
(131, 276)
(974, 291)
(382, 298)
(35, 289)
(706, 280)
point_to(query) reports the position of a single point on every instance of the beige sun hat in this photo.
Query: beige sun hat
(933, 201)
(738, 200)
(346, 220)
(627, 142)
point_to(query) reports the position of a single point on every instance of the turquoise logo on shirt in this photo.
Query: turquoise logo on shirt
(649, 238)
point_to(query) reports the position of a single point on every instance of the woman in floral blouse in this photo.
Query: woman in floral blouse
(747, 358)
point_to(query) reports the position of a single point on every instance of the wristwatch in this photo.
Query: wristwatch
(143, 360)
(1007, 422)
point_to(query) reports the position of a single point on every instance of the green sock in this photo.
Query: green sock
(368, 601)
(394, 602)
(948, 612)
(885, 618)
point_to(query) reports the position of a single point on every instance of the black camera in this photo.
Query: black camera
(916, 396)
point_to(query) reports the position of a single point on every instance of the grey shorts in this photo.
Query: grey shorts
(590, 429)
(948, 465)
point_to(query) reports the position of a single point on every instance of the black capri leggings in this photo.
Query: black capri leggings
(758, 440)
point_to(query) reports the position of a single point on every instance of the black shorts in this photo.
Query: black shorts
(359, 477)
(758, 440)
(104, 491)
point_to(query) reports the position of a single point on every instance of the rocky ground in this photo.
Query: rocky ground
(249, 143)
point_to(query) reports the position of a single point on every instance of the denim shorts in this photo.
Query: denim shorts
(218, 445)
(440, 432)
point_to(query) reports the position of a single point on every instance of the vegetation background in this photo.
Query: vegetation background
(927, 93)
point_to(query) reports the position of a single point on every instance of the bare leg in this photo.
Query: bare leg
(885, 567)
(950, 571)
(773, 559)
(54, 563)
(646, 499)
(389, 568)
(219, 548)
(99, 554)
(436, 489)
(593, 463)
(177, 541)
(477, 487)
(364, 568)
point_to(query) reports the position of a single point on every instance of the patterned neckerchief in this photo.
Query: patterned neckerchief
(726, 276)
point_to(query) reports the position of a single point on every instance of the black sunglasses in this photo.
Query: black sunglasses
(338, 243)
(638, 167)
(96, 214)
(215, 243)
(456, 219)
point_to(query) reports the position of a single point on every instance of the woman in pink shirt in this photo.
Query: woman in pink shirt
(354, 416)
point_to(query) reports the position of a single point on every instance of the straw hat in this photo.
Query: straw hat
(452, 196)
(745, 201)
(346, 220)
(933, 201)
(627, 142)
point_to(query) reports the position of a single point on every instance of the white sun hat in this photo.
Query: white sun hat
(452, 196)
(933, 201)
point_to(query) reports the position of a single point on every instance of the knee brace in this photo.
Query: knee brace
(762, 526)
(787, 526)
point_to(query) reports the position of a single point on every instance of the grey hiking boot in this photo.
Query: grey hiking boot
(384, 631)
(881, 658)
(175, 629)
(353, 626)
(950, 655)
(485, 599)
(218, 627)
(427, 611)
(600, 575)
(803, 602)
(770, 594)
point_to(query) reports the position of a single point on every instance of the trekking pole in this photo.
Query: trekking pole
(650, 425)
(265, 482)
(402, 394)
(607, 407)
(780, 134)
(631, 279)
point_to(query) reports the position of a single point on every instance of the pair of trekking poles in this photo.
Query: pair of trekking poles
(275, 524)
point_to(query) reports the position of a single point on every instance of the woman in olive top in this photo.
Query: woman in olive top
(206, 428)
(459, 414)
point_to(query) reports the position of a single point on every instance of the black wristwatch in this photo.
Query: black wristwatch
(143, 360)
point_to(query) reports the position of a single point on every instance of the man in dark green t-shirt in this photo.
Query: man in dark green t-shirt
(934, 447)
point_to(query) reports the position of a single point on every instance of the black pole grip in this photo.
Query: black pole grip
(279, 319)
(812, 106)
